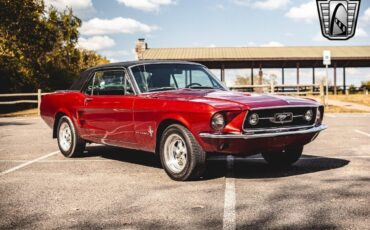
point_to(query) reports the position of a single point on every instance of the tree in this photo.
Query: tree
(365, 85)
(38, 47)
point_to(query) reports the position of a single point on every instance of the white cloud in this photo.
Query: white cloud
(146, 5)
(96, 42)
(272, 44)
(361, 33)
(97, 26)
(251, 44)
(80, 7)
(271, 4)
(220, 7)
(116, 55)
(305, 12)
(366, 17)
(265, 5)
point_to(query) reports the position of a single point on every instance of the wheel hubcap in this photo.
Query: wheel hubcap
(175, 153)
(65, 136)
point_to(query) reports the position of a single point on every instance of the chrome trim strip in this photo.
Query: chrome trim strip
(268, 118)
(268, 130)
(262, 135)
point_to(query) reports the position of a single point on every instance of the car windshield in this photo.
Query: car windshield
(161, 77)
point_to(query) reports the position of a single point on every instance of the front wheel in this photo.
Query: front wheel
(181, 155)
(283, 158)
(69, 142)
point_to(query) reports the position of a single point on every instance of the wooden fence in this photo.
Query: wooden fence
(13, 102)
(300, 90)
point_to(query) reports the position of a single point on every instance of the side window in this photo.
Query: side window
(112, 82)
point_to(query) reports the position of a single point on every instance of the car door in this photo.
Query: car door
(107, 114)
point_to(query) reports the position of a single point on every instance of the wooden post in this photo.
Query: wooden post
(313, 79)
(252, 80)
(283, 78)
(38, 101)
(272, 87)
(223, 73)
(344, 80)
(260, 76)
(322, 94)
(297, 77)
(335, 78)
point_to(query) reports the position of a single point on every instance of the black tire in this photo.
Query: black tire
(283, 158)
(195, 158)
(77, 145)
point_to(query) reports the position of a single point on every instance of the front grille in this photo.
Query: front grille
(284, 117)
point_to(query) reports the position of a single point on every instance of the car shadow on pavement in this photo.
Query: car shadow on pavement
(256, 168)
(125, 155)
(3, 123)
(248, 168)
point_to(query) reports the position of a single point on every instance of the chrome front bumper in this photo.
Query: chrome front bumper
(263, 135)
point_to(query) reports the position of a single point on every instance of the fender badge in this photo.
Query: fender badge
(150, 131)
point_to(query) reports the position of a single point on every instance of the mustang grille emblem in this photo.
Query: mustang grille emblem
(282, 118)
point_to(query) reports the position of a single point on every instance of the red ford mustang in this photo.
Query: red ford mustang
(181, 112)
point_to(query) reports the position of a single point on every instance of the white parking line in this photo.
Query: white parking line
(229, 203)
(28, 163)
(361, 132)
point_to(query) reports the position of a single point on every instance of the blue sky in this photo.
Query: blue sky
(111, 27)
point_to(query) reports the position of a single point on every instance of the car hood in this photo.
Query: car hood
(228, 99)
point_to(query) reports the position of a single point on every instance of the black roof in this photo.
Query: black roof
(142, 62)
(79, 83)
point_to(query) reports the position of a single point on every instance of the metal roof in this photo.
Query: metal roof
(264, 57)
(256, 53)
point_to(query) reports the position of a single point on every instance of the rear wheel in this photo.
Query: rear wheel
(283, 158)
(181, 155)
(69, 142)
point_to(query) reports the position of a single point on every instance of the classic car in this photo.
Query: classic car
(181, 112)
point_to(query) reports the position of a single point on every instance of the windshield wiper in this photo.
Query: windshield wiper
(161, 89)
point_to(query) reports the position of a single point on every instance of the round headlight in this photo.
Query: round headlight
(218, 121)
(253, 119)
(308, 115)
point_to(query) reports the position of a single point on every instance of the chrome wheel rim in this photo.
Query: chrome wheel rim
(175, 153)
(65, 136)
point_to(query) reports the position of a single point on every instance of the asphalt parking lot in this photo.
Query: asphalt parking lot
(112, 188)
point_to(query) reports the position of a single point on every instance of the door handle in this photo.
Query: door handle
(87, 100)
